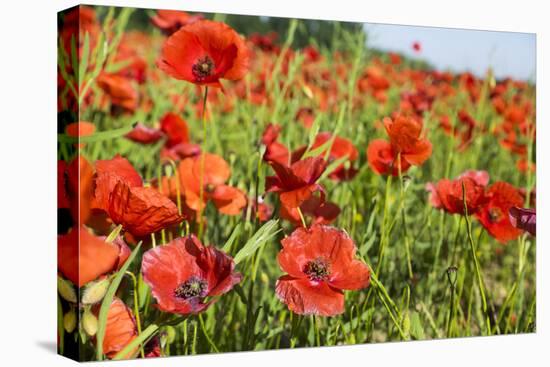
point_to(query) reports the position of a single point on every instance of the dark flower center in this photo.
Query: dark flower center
(203, 68)
(193, 287)
(495, 215)
(317, 270)
(209, 188)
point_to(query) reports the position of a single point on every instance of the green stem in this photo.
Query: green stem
(210, 341)
(203, 153)
(479, 277)
(136, 308)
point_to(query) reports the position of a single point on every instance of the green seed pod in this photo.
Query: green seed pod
(170, 334)
(89, 322)
(264, 278)
(66, 290)
(95, 291)
(69, 321)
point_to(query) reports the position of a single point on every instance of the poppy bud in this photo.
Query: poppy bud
(66, 290)
(89, 322)
(95, 291)
(69, 321)
(452, 275)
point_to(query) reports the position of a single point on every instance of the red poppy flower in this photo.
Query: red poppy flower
(321, 212)
(405, 137)
(341, 147)
(169, 21)
(524, 219)
(448, 195)
(320, 262)
(296, 183)
(83, 257)
(120, 90)
(274, 151)
(175, 129)
(120, 329)
(108, 173)
(183, 273)
(383, 160)
(494, 215)
(306, 116)
(229, 200)
(205, 52)
(141, 210)
(144, 134)
(119, 192)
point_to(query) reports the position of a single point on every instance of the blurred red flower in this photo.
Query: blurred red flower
(321, 212)
(405, 137)
(205, 52)
(494, 215)
(524, 218)
(229, 200)
(382, 158)
(417, 47)
(169, 21)
(120, 91)
(274, 150)
(448, 194)
(178, 145)
(296, 183)
(320, 263)
(144, 134)
(183, 273)
(341, 147)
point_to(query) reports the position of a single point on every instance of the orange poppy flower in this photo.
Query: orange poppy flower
(494, 215)
(405, 137)
(120, 91)
(383, 160)
(320, 263)
(296, 183)
(184, 272)
(169, 21)
(120, 329)
(205, 52)
(83, 257)
(228, 200)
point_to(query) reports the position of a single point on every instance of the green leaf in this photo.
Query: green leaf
(108, 299)
(83, 65)
(266, 232)
(228, 245)
(417, 331)
(141, 339)
(333, 166)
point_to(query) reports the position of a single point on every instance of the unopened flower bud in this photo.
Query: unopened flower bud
(89, 322)
(95, 291)
(66, 290)
(69, 321)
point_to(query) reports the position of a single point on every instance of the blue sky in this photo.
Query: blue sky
(508, 53)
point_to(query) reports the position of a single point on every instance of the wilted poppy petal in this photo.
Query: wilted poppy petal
(524, 218)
